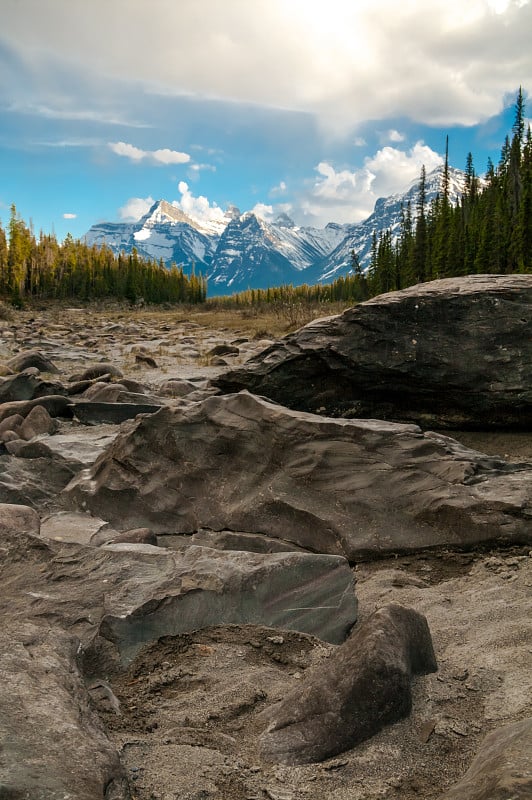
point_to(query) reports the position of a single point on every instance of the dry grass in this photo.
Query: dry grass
(259, 322)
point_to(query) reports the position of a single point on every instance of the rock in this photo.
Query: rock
(55, 405)
(151, 592)
(103, 392)
(223, 350)
(52, 743)
(146, 361)
(37, 422)
(357, 488)
(18, 519)
(9, 436)
(97, 371)
(135, 536)
(32, 358)
(95, 413)
(23, 449)
(18, 387)
(72, 526)
(34, 480)
(502, 769)
(449, 353)
(176, 387)
(11, 423)
(239, 540)
(364, 686)
(80, 387)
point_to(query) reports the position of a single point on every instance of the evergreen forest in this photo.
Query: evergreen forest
(43, 269)
(489, 230)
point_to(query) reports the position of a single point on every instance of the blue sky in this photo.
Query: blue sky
(312, 108)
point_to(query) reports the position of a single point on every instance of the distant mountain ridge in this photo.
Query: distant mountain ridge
(244, 251)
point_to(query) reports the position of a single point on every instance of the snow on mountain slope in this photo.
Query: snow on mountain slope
(243, 251)
(386, 216)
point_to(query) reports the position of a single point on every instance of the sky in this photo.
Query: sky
(310, 108)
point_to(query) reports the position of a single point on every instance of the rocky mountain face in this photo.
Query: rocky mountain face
(245, 251)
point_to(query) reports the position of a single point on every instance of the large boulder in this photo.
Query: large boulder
(453, 352)
(350, 487)
(502, 769)
(132, 594)
(364, 686)
(52, 743)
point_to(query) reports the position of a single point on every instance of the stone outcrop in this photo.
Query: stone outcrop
(450, 353)
(151, 592)
(71, 606)
(502, 769)
(52, 742)
(351, 487)
(364, 686)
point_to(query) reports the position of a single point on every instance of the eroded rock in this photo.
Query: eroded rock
(449, 353)
(364, 686)
(357, 488)
(502, 768)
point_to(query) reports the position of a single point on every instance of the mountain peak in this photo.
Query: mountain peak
(163, 211)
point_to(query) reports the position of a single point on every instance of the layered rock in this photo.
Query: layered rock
(451, 353)
(349, 487)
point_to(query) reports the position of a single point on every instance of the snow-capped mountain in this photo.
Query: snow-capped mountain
(243, 251)
(386, 216)
(164, 232)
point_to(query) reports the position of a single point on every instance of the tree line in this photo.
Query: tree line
(42, 268)
(488, 231)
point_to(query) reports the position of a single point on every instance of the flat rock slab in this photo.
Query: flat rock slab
(74, 526)
(449, 353)
(502, 769)
(357, 488)
(95, 413)
(131, 594)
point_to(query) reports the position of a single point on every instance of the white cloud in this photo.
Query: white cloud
(349, 196)
(395, 136)
(135, 208)
(167, 156)
(263, 211)
(359, 141)
(73, 114)
(343, 61)
(279, 189)
(69, 216)
(198, 208)
(164, 156)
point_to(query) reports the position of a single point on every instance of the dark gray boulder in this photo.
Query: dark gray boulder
(95, 413)
(363, 686)
(97, 371)
(32, 358)
(352, 487)
(502, 769)
(450, 353)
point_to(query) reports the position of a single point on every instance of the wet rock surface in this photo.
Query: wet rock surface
(451, 353)
(105, 694)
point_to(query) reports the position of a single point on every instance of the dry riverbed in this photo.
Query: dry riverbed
(183, 714)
